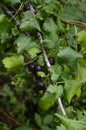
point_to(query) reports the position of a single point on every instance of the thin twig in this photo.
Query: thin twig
(73, 24)
(11, 118)
(61, 106)
(17, 12)
(44, 52)
(13, 18)
(32, 9)
(11, 15)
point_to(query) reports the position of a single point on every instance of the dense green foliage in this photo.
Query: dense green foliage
(29, 90)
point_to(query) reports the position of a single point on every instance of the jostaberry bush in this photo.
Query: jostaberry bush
(32, 31)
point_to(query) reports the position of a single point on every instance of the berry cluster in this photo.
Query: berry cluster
(39, 83)
(34, 69)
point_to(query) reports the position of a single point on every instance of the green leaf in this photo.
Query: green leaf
(82, 70)
(23, 43)
(40, 61)
(71, 124)
(82, 37)
(69, 57)
(13, 61)
(4, 128)
(49, 25)
(7, 90)
(55, 72)
(12, 2)
(51, 40)
(23, 128)
(60, 127)
(29, 22)
(4, 36)
(13, 100)
(72, 87)
(47, 101)
(4, 24)
(52, 89)
(41, 74)
(32, 52)
(45, 127)
(51, 8)
(15, 31)
(47, 119)
(47, 1)
(38, 119)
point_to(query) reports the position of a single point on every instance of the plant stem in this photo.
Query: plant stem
(49, 65)
(73, 24)
(47, 61)
(11, 15)
(61, 106)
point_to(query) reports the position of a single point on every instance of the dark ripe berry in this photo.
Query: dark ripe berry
(14, 38)
(40, 85)
(31, 67)
(51, 60)
(38, 68)
(78, 47)
(37, 78)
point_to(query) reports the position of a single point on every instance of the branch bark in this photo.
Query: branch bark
(13, 18)
(73, 24)
(11, 15)
(49, 65)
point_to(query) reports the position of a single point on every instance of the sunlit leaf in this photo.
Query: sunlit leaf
(82, 70)
(41, 74)
(71, 124)
(47, 101)
(51, 95)
(72, 87)
(13, 61)
(82, 37)
(33, 52)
